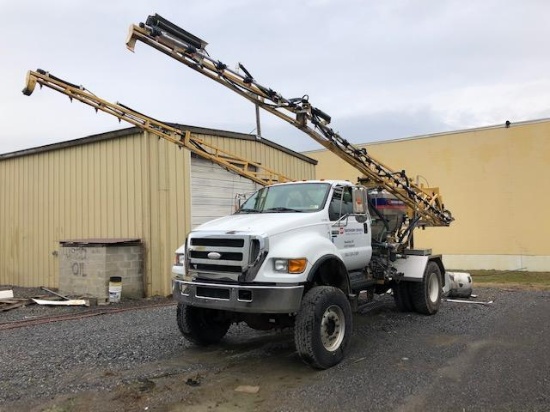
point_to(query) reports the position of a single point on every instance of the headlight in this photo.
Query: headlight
(280, 265)
(290, 265)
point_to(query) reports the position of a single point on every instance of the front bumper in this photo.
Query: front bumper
(239, 298)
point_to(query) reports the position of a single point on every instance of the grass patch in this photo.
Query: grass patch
(510, 278)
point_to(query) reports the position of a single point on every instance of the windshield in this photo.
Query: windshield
(292, 198)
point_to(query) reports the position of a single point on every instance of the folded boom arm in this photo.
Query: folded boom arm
(183, 138)
(188, 49)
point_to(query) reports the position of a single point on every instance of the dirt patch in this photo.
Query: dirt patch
(203, 380)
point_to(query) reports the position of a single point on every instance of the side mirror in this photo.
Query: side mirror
(239, 200)
(359, 197)
(360, 208)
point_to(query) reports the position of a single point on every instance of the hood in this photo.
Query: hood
(260, 223)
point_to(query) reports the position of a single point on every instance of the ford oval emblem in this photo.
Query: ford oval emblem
(214, 255)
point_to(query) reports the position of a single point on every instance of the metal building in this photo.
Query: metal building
(120, 184)
(493, 179)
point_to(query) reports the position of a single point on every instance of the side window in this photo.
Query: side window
(347, 199)
(341, 203)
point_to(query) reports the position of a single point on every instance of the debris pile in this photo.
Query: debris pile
(9, 301)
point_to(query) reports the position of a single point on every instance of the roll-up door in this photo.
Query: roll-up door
(213, 190)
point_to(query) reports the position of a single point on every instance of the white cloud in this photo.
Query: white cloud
(493, 104)
(381, 69)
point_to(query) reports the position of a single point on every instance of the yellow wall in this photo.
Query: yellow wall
(129, 185)
(73, 193)
(495, 181)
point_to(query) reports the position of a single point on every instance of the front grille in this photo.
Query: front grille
(224, 255)
(220, 255)
(223, 242)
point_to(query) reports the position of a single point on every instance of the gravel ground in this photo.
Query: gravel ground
(467, 357)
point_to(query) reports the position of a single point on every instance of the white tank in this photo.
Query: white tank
(458, 285)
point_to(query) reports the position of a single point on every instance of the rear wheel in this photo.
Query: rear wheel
(426, 295)
(202, 326)
(323, 327)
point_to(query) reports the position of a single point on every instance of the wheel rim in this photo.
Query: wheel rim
(333, 328)
(433, 288)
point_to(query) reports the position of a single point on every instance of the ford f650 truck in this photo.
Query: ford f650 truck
(298, 254)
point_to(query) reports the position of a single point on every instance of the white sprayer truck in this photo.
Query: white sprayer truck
(300, 253)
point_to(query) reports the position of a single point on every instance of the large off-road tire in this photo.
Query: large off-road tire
(323, 327)
(426, 295)
(402, 296)
(201, 326)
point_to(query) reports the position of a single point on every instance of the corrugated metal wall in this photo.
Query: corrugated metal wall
(75, 192)
(166, 218)
(123, 185)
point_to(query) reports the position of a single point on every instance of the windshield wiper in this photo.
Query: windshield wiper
(281, 209)
(248, 211)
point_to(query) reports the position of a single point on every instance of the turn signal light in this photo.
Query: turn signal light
(297, 265)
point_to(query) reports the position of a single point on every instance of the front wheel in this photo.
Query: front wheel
(426, 295)
(202, 326)
(323, 327)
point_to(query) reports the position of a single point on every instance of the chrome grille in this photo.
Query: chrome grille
(215, 255)
(218, 255)
(218, 242)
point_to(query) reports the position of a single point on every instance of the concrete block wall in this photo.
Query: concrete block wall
(87, 265)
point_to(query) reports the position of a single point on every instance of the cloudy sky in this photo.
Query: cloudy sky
(382, 69)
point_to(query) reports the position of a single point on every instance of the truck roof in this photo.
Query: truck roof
(331, 182)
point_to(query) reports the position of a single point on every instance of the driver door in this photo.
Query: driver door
(351, 238)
